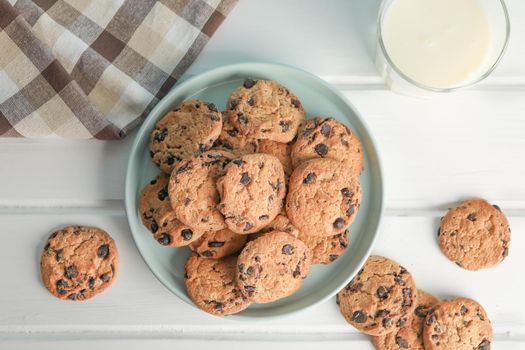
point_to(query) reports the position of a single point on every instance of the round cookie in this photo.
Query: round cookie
(380, 299)
(272, 267)
(322, 199)
(411, 335)
(218, 244)
(459, 324)
(327, 138)
(232, 141)
(189, 129)
(475, 235)
(79, 262)
(193, 192)
(281, 151)
(264, 109)
(158, 215)
(211, 285)
(325, 250)
(252, 192)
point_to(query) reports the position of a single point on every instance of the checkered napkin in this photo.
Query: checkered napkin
(95, 68)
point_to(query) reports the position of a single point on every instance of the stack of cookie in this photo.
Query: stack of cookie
(257, 192)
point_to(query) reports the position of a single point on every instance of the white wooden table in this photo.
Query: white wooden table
(435, 153)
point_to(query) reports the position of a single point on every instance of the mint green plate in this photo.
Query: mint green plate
(318, 98)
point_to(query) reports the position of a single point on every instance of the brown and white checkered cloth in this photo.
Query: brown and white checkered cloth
(95, 68)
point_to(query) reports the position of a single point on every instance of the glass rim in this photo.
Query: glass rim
(382, 11)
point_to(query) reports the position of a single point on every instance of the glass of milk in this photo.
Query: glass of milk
(427, 46)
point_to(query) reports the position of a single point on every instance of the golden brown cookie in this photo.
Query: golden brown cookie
(272, 267)
(327, 138)
(232, 141)
(380, 299)
(475, 235)
(264, 109)
(189, 129)
(281, 151)
(252, 192)
(458, 324)
(218, 244)
(193, 192)
(322, 199)
(211, 285)
(411, 335)
(326, 249)
(79, 262)
(159, 217)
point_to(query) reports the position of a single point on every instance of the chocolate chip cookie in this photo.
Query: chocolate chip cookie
(411, 335)
(327, 138)
(264, 109)
(193, 192)
(323, 200)
(475, 235)
(79, 262)
(211, 285)
(281, 151)
(327, 249)
(272, 267)
(218, 244)
(159, 217)
(232, 141)
(380, 299)
(252, 192)
(189, 129)
(459, 324)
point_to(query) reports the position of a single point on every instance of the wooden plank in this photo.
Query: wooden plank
(137, 302)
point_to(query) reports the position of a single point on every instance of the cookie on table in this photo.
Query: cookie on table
(325, 250)
(193, 192)
(252, 192)
(475, 235)
(79, 262)
(281, 151)
(322, 199)
(327, 138)
(272, 267)
(411, 335)
(211, 285)
(380, 299)
(459, 324)
(264, 109)
(159, 217)
(218, 244)
(189, 129)
(232, 141)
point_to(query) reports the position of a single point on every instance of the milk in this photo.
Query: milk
(437, 43)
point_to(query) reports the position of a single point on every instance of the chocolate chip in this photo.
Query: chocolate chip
(407, 297)
(484, 345)
(402, 343)
(496, 206)
(153, 182)
(242, 119)
(232, 132)
(387, 322)
(251, 102)
(163, 193)
(287, 249)
(421, 311)
(241, 268)
(247, 227)
(347, 193)
(350, 211)
(382, 313)
(91, 283)
(160, 136)
(245, 179)
(439, 231)
(435, 337)
(401, 322)
(264, 217)
(202, 148)
(59, 254)
(297, 272)
(215, 244)
(325, 130)
(249, 289)
(185, 167)
(72, 296)
(170, 160)
(471, 217)
(382, 292)
(187, 201)
(154, 227)
(249, 83)
(296, 103)
(103, 251)
(164, 239)
(249, 270)
(233, 104)
(399, 280)
(105, 277)
(463, 310)
(284, 125)
(212, 107)
(359, 317)
(310, 177)
(321, 149)
(61, 284)
(339, 223)
(257, 258)
(431, 318)
(218, 306)
(186, 234)
(333, 257)
(71, 272)
(207, 253)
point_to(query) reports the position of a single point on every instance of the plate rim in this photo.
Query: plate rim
(260, 67)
